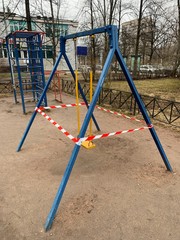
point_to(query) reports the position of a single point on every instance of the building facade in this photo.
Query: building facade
(10, 22)
(128, 40)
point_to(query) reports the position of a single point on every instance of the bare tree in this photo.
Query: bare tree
(158, 28)
(177, 53)
(50, 11)
(93, 50)
(138, 37)
(28, 15)
(53, 32)
(101, 13)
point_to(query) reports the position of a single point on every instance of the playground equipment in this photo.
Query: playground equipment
(82, 51)
(56, 84)
(112, 32)
(88, 144)
(26, 64)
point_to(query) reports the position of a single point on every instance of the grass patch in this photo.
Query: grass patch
(166, 88)
(4, 76)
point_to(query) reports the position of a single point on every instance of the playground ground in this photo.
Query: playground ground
(119, 190)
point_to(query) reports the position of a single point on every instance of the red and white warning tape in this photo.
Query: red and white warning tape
(63, 106)
(98, 107)
(119, 114)
(56, 125)
(90, 138)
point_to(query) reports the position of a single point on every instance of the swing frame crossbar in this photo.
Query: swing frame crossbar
(112, 32)
(79, 141)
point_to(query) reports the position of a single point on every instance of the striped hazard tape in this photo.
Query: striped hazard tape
(56, 125)
(63, 106)
(98, 107)
(119, 114)
(89, 138)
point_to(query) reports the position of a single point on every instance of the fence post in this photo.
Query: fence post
(154, 104)
(170, 117)
(110, 96)
(134, 109)
(62, 80)
(131, 103)
(120, 99)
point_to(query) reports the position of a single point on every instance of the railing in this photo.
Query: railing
(159, 109)
(6, 86)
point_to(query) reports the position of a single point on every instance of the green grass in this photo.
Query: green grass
(5, 76)
(167, 88)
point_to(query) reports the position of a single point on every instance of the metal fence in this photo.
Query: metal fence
(5, 86)
(159, 109)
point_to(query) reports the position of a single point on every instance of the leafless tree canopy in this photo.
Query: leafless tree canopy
(147, 28)
(150, 29)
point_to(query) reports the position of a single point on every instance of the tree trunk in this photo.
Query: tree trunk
(28, 16)
(177, 61)
(138, 39)
(119, 19)
(93, 52)
(105, 34)
(53, 33)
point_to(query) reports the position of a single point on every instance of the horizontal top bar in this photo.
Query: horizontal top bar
(24, 34)
(90, 32)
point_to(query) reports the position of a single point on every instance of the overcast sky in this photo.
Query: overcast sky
(71, 9)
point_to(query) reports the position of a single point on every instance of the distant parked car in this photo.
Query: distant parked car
(148, 69)
(98, 67)
(84, 68)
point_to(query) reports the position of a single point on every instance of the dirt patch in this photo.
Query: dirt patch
(119, 190)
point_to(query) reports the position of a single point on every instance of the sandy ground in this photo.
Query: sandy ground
(119, 190)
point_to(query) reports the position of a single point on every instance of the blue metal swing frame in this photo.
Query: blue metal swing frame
(112, 31)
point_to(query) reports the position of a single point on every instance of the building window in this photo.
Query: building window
(3, 50)
(25, 53)
(47, 51)
(16, 25)
(60, 29)
(19, 50)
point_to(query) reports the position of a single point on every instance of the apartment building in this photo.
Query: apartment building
(128, 40)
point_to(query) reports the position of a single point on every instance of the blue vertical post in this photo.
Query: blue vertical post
(9, 51)
(19, 73)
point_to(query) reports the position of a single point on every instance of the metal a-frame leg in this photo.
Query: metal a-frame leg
(76, 149)
(39, 102)
(142, 108)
